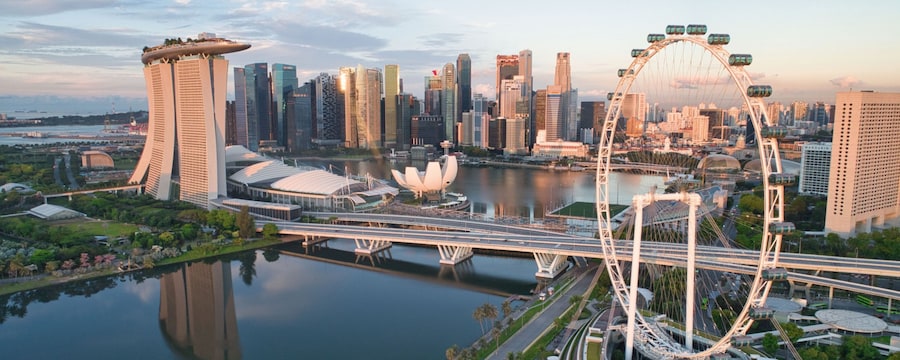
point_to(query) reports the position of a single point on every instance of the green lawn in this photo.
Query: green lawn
(586, 210)
(593, 351)
(98, 227)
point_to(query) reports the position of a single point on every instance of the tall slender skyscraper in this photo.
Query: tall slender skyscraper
(463, 84)
(391, 90)
(284, 82)
(507, 67)
(563, 79)
(864, 179)
(362, 106)
(186, 134)
(329, 110)
(552, 119)
(448, 102)
(241, 131)
(259, 104)
(527, 92)
(348, 93)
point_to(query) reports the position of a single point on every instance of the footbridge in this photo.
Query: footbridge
(551, 252)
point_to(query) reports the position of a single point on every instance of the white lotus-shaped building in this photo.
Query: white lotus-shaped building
(433, 179)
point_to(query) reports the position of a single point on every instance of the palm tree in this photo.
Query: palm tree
(478, 315)
(452, 352)
(506, 307)
(514, 356)
(495, 333)
(490, 311)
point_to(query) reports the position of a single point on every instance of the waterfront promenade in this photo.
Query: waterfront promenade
(540, 324)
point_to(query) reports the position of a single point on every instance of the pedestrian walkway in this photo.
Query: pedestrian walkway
(538, 325)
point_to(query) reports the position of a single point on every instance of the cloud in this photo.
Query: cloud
(324, 37)
(441, 39)
(846, 82)
(344, 13)
(47, 7)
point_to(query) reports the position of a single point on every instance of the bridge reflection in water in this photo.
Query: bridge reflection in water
(196, 311)
(464, 275)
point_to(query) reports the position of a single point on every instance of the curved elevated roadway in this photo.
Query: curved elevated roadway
(708, 257)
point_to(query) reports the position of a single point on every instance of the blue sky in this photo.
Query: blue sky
(90, 49)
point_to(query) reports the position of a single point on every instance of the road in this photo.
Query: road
(533, 329)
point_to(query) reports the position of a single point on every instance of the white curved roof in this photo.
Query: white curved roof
(235, 153)
(433, 179)
(264, 171)
(314, 182)
(15, 186)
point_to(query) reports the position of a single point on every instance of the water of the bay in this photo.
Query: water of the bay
(328, 304)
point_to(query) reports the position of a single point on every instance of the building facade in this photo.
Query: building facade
(815, 162)
(184, 155)
(864, 182)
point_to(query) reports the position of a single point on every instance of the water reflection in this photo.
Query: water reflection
(196, 311)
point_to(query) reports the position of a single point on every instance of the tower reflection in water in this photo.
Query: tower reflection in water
(196, 311)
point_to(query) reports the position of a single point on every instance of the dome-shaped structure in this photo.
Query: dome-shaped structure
(93, 159)
(719, 163)
(434, 178)
(15, 187)
(789, 167)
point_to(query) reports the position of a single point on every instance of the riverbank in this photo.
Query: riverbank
(36, 282)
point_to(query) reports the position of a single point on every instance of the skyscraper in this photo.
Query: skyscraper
(284, 82)
(634, 111)
(463, 83)
(814, 168)
(299, 116)
(329, 110)
(241, 131)
(864, 183)
(448, 101)
(563, 78)
(552, 120)
(511, 94)
(362, 106)
(480, 119)
(593, 114)
(540, 113)
(186, 132)
(259, 104)
(527, 92)
(391, 90)
(349, 95)
(507, 67)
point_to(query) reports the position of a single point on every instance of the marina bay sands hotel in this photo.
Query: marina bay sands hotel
(184, 156)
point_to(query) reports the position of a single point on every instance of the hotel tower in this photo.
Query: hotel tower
(184, 156)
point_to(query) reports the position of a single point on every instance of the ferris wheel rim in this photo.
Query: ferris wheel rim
(773, 205)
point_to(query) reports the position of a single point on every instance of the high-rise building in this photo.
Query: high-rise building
(568, 102)
(407, 107)
(299, 116)
(329, 110)
(593, 113)
(465, 134)
(427, 130)
(349, 95)
(391, 90)
(864, 182)
(480, 119)
(186, 132)
(799, 111)
(448, 101)
(540, 113)
(634, 111)
(511, 94)
(815, 162)
(822, 114)
(463, 83)
(507, 67)
(553, 118)
(241, 130)
(497, 133)
(433, 91)
(717, 129)
(515, 137)
(259, 104)
(369, 90)
(284, 82)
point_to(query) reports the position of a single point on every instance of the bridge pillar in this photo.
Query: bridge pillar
(549, 265)
(452, 254)
(369, 247)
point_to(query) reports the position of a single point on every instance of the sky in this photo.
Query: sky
(85, 54)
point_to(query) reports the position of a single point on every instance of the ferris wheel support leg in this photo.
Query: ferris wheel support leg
(694, 203)
(638, 206)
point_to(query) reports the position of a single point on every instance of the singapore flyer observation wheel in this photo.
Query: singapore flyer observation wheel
(683, 95)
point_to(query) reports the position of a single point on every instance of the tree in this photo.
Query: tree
(514, 356)
(506, 308)
(270, 231)
(478, 315)
(248, 267)
(857, 347)
(792, 331)
(490, 311)
(452, 352)
(167, 239)
(271, 255)
(495, 333)
(246, 225)
(770, 343)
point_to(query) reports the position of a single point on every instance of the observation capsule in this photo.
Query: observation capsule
(775, 274)
(652, 38)
(781, 179)
(758, 91)
(774, 132)
(740, 59)
(609, 96)
(638, 52)
(718, 39)
(675, 29)
(741, 341)
(782, 227)
(695, 29)
(622, 72)
(761, 313)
